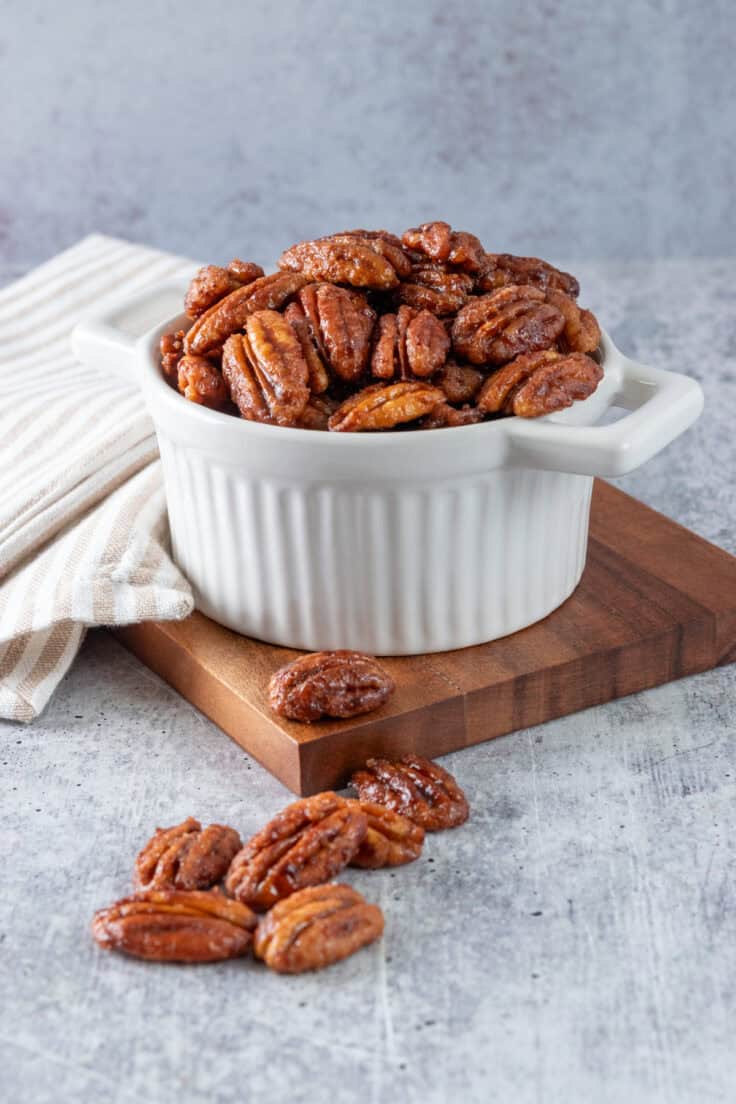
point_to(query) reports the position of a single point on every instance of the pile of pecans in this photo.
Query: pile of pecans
(201, 896)
(363, 330)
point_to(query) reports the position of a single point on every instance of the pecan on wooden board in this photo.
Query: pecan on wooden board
(316, 927)
(329, 684)
(307, 843)
(186, 856)
(176, 926)
(415, 787)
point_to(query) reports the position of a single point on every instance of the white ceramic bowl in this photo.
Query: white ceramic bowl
(390, 543)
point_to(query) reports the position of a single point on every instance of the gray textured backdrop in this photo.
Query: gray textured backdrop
(569, 128)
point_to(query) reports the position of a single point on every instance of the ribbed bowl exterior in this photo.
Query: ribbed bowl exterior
(389, 568)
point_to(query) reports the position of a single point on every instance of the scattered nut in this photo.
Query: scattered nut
(329, 684)
(307, 843)
(187, 856)
(176, 926)
(415, 787)
(391, 839)
(316, 927)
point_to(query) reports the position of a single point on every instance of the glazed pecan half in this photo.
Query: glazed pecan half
(186, 856)
(307, 843)
(200, 381)
(212, 283)
(459, 382)
(445, 416)
(266, 371)
(335, 328)
(501, 269)
(228, 315)
(317, 413)
(316, 927)
(415, 787)
(346, 259)
(383, 406)
(439, 242)
(382, 242)
(540, 383)
(391, 839)
(581, 334)
(329, 684)
(176, 926)
(172, 350)
(431, 287)
(493, 329)
(409, 345)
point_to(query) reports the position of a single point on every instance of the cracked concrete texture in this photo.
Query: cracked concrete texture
(576, 940)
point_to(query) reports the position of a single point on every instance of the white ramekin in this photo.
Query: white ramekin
(390, 543)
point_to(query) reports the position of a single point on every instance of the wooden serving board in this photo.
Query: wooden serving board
(656, 602)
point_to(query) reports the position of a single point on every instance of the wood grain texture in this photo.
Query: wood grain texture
(656, 603)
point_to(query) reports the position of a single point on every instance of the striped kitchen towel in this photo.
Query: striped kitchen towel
(83, 529)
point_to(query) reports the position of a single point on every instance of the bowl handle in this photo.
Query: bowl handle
(662, 405)
(107, 338)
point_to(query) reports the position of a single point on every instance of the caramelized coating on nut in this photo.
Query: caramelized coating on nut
(391, 839)
(439, 242)
(430, 287)
(307, 843)
(540, 383)
(329, 684)
(382, 242)
(493, 329)
(415, 787)
(418, 314)
(557, 385)
(176, 926)
(445, 416)
(353, 261)
(201, 382)
(501, 269)
(459, 382)
(172, 350)
(317, 413)
(384, 406)
(581, 334)
(266, 370)
(339, 323)
(229, 315)
(186, 856)
(316, 927)
(409, 345)
(212, 283)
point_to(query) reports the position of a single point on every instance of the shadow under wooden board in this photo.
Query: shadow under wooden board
(656, 602)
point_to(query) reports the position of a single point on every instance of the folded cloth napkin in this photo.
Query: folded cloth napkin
(83, 529)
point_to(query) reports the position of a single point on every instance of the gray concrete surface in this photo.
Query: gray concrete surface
(574, 942)
(559, 128)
